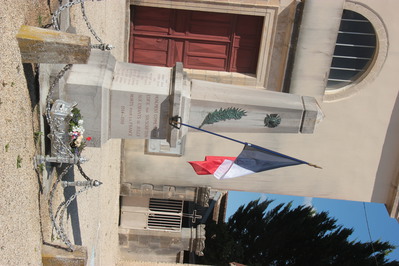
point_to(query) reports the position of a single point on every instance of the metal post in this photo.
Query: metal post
(87, 183)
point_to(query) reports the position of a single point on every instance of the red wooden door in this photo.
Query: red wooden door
(201, 40)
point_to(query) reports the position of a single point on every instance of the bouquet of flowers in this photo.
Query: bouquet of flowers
(76, 131)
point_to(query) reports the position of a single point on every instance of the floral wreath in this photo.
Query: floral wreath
(76, 130)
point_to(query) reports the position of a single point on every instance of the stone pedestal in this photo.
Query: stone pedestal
(89, 86)
(123, 100)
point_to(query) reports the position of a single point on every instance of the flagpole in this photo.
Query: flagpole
(210, 132)
(174, 121)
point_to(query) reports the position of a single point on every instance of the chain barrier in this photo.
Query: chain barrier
(102, 46)
(60, 230)
(82, 8)
(82, 172)
(61, 152)
(61, 149)
(61, 210)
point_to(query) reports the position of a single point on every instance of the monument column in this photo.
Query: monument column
(124, 100)
(228, 108)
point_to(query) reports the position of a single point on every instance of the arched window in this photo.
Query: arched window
(354, 50)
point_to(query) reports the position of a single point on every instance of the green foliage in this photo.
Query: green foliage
(36, 136)
(219, 244)
(7, 146)
(75, 126)
(289, 236)
(40, 20)
(40, 168)
(223, 115)
(75, 118)
(19, 161)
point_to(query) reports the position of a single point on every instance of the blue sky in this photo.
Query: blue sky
(350, 214)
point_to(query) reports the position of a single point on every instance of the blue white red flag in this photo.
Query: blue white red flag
(252, 159)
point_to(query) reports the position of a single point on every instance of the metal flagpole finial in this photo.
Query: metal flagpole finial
(315, 166)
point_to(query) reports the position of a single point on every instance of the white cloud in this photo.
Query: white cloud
(308, 201)
(263, 197)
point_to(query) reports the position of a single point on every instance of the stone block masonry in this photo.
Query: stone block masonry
(39, 45)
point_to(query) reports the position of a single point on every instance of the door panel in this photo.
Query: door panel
(207, 48)
(151, 43)
(205, 63)
(155, 20)
(202, 55)
(153, 58)
(178, 48)
(208, 29)
(246, 44)
(201, 40)
(211, 16)
(245, 60)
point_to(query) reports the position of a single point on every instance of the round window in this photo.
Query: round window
(360, 52)
(354, 50)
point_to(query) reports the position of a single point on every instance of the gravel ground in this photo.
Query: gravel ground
(24, 221)
(20, 237)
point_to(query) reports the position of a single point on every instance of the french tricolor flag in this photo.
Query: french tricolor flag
(252, 159)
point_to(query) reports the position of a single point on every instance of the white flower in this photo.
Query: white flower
(80, 122)
(79, 129)
(78, 141)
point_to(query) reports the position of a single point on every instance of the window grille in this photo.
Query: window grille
(165, 214)
(354, 50)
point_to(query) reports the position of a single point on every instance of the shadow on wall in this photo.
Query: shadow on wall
(72, 210)
(389, 158)
(32, 81)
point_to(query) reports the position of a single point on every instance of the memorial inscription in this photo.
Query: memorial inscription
(140, 114)
(139, 99)
(133, 77)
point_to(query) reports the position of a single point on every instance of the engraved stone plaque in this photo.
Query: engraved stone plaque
(139, 101)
